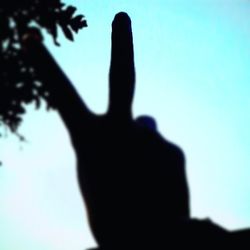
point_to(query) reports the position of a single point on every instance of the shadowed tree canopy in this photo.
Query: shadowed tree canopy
(19, 82)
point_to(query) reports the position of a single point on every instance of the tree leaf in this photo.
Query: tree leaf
(78, 22)
(67, 32)
(69, 12)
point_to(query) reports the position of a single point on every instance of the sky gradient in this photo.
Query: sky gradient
(192, 69)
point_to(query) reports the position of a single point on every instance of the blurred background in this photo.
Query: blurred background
(192, 66)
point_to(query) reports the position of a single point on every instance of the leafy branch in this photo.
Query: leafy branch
(19, 82)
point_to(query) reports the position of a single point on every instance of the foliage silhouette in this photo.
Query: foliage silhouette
(19, 82)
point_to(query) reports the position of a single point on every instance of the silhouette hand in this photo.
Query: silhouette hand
(132, 180)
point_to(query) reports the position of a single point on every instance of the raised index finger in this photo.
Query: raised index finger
(122, 71)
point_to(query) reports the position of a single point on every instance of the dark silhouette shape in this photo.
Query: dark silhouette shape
(132, 180)
(147, 121)
(19, 83)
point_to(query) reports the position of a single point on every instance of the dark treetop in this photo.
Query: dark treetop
(19, 82)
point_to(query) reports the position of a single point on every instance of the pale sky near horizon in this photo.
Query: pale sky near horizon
(192, 66)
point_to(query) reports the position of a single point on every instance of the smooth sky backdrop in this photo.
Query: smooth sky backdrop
(192, 67)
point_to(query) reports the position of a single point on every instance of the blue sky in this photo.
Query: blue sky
(192, 66)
